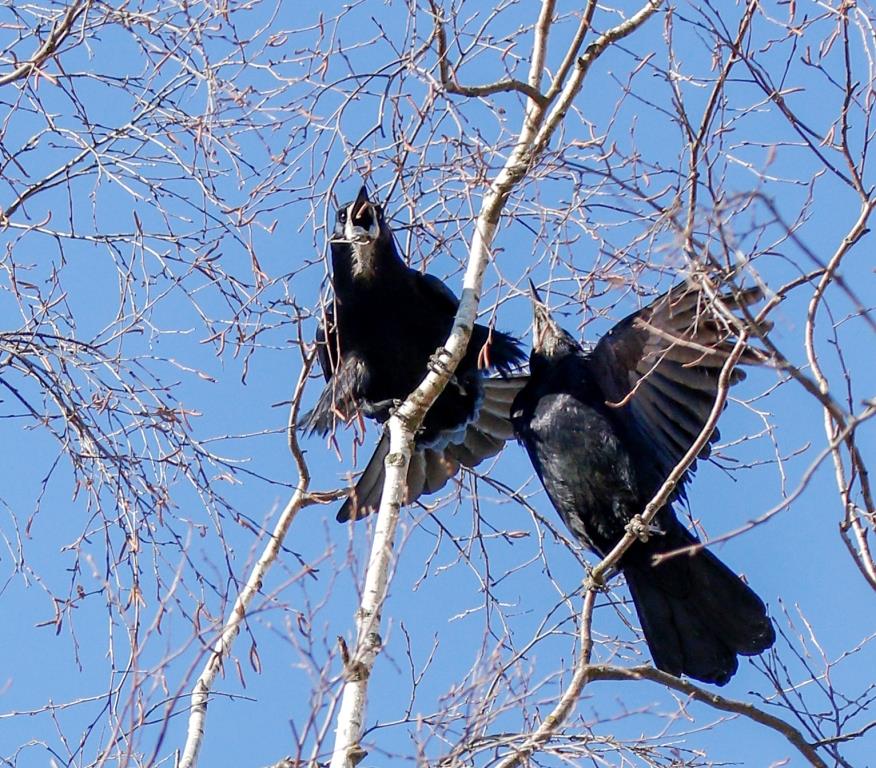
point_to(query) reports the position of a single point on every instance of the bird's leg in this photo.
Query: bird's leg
(437, 363)
(640, 529)
(376, 409)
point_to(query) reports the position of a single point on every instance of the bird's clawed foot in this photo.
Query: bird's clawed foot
(380, 408)
(640, 529)
(438, 362)
(595, 581)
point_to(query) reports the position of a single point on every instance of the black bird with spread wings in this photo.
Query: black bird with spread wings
(387, 322)
(604, 429)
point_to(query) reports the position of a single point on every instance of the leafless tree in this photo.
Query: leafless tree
(168, 172)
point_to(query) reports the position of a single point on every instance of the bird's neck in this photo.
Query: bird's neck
(359, 267)
(568, 371)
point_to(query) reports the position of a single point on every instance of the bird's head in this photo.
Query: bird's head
(549, 340)
(361, 225)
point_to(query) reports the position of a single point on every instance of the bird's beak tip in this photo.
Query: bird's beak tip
(362, 197)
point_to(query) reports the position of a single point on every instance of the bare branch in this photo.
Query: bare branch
(582, 66)
(532, 139)
(221, 648)
(50, 45)
(794, 736)
(448, 73)
(834, 423)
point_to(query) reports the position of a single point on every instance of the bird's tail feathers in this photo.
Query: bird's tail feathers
(365, 496)
(499, 351)
(428, 472)
(696, 613)
(432, 467)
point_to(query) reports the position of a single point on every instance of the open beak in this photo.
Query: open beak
(361, 200)
(362, 225)
(542, 324)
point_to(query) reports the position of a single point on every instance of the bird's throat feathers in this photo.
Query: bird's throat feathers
(364, 259)
(557, 344)
(360, 263)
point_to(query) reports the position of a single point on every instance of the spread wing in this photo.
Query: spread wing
(431, 468)
(662, 364)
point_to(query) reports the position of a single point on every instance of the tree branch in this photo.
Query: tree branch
(49, 46)
(570, 695)
(222, 646)
(572, 53)
(533, 138)
(714, 700)
(834, 423)
(448, 75)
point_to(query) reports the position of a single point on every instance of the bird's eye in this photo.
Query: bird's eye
(342, 216)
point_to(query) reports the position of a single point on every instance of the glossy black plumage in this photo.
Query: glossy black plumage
(604, 429)
(386, 324)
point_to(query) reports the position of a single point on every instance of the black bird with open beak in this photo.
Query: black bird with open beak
(604, 429)
(385, 328)
(361, 234)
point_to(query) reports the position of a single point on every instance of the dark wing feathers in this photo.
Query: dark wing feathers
(327, 352)
(439, 469)
(501, 392)
(431, 468)
(658, 369)
(503, 350)
(437, 290)
(416, 480)
(338, 401)
(495, 424)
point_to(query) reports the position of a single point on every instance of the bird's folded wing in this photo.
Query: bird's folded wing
(493, 349)
(327, 349)
(435, 292)
(338, 402)
(658, 369)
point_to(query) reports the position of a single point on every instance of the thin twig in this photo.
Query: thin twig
(714, 700)
(49, 46)
(451, 83)
(833, 423)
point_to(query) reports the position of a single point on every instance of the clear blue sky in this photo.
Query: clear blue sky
(593, 240)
